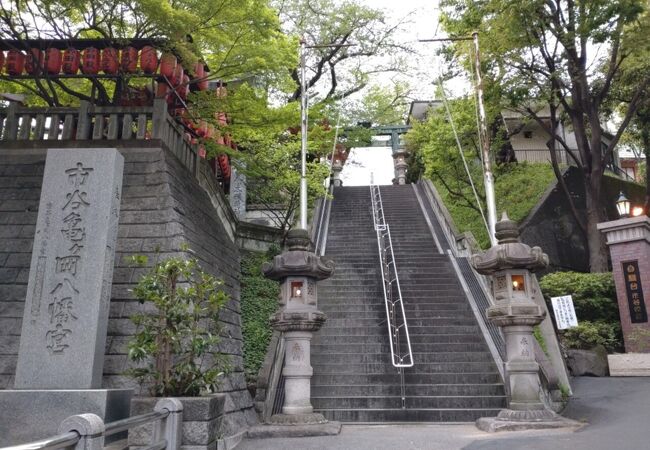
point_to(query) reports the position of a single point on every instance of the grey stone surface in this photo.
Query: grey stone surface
(28, 415)
(201, 421)
(66, 310)
(237, 195)
(588, 362)
(293, 431)
(629, 365)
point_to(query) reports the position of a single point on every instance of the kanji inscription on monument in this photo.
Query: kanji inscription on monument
(634, 291)
(66, 314)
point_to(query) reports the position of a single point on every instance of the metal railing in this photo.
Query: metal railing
(322, 224)
(398, 332)
(87, 431)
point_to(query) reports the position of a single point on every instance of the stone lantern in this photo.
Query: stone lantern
(510, 264)
(298, 270)
(400, 161)
(337, 167)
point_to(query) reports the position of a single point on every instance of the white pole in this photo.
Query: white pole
(488, 177)
(303, 130)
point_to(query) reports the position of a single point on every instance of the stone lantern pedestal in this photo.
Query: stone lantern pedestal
(510, 263)
(298, 270)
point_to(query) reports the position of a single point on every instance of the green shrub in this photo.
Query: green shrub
(259, 299)
(589, 334)
(175, 345)
(594, 294)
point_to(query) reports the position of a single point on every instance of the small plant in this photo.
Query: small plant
(590, 334)
(537, 334)
(176, 345)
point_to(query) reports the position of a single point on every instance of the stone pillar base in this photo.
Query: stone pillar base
(30, 415)
(539, 419)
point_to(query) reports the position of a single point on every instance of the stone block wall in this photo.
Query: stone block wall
(163, 207)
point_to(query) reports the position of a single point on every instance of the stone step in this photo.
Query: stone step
(419, 359)
(383, 338)
(429, 368)
(413, 330)
(415, 402)
(484, 389)
(413, 322)
(393, 378)
(384, 348)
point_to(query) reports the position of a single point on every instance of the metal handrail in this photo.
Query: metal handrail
(323, 221)
(398, 332)
(167, 414)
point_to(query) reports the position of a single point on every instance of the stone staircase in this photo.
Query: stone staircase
(454, 378)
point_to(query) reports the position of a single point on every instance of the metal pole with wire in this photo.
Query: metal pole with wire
(304, 105)
(484, 138)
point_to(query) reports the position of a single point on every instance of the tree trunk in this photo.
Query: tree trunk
(598, 261)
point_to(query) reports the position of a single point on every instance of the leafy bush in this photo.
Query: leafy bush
(594, 294)
(589, 334)
(259, 299)
(176, 344)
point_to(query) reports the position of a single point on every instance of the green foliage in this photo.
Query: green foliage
(259, 299)
(594, 299)
(518, 188)
(175, 346)
(237, 38)
(589, 334)
(594, 294)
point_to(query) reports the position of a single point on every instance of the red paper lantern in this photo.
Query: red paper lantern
(168, 65)
(71, 61)
(184, 88)
(202, 128)
(202, 152)
(129, 60)
(91, 61)
(53, 61)
(148, 59)
(200, 74)
(177, 77)
(109, 61)
(34, 61)
(162, 90)
(15, 62)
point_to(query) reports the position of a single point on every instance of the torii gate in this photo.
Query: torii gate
(400, 154)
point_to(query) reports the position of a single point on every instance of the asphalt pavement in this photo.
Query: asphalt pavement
(616, 410)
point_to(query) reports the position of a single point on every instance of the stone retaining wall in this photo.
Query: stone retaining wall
(163, 207)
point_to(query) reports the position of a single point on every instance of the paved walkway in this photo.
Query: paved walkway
(617, 410)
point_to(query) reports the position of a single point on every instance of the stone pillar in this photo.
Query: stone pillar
(298, 318)
(629, 246)
(63, 337)
(400, 160)
(510, 264)
(237, 196)
(337, 167)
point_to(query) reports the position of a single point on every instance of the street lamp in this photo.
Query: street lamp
(623, 206)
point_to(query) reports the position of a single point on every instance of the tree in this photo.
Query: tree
(545, 52)
(336, 72)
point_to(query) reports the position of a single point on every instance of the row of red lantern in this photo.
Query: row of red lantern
(92, 60)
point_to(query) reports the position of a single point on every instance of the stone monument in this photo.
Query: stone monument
(237, 196)
(298, 318)
(510, 264)
(628, 240)
(61, 353)
(400, 156)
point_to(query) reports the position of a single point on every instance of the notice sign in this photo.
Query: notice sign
(565, 313)
(634, 291)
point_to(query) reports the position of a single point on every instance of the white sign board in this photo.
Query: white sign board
(565, 313)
